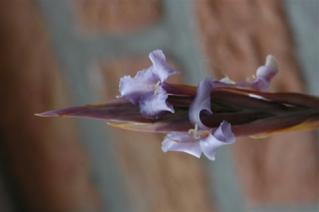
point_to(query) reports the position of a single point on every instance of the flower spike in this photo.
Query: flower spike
(200, 120)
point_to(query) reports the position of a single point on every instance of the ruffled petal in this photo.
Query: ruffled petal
(160, 68)
(140, 89)
(263, 77)
(133, 88)
(269, 70)
(147, 76)
(201, 103)
(154, 103)
(223, 135)
(181, 142)
(265, 73)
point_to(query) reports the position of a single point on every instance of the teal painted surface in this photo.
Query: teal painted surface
(304, 21)
(74, 60)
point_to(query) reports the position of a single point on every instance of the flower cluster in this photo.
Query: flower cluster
(147, 90)
(199, 120)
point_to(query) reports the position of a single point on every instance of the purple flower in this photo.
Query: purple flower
(222, 136)
(199, 140)
(261, 81)
(146, 88)
(196, 143)
(264, 74)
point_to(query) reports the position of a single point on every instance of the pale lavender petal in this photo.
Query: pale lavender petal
(181, 142)
(154, 103)
(147, 81)
(147, 76)
(132, 88)
(269, 70)
(201, 103)
(265, 73)
(223, 135)
(160, 68)
(259, 84)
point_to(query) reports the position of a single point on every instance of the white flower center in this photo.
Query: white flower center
(194, 132)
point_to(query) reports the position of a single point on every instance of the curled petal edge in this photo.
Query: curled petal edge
(201, 103)
(185, 142)
(222, 136)
(154, 103)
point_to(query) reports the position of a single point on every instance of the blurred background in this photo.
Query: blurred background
(71, 52)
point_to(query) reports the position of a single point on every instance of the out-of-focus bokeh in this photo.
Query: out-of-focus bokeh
(71, 52)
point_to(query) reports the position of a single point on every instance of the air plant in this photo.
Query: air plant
(200, 120)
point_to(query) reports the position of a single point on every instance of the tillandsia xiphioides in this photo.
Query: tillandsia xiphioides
(199, 120)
